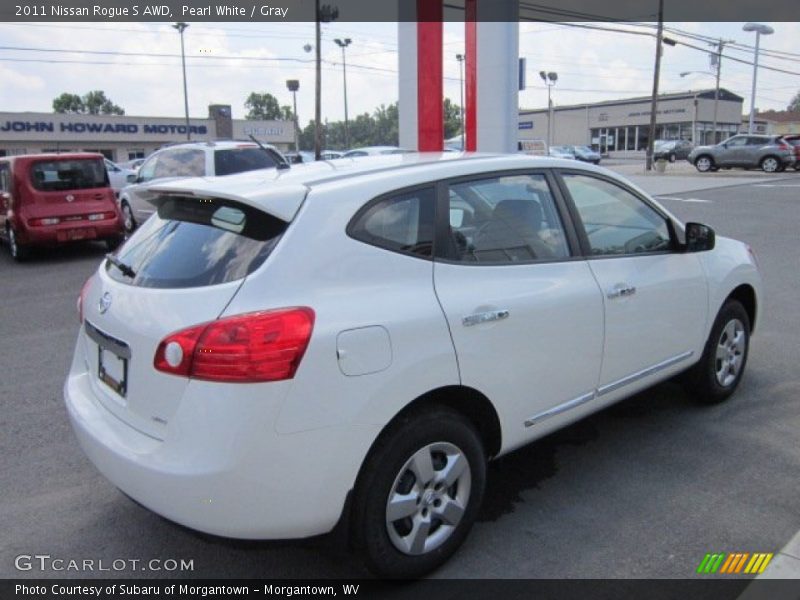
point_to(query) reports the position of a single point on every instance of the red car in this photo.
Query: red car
(794, 141)
(49, 199)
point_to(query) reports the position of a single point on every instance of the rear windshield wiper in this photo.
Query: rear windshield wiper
(124, 268)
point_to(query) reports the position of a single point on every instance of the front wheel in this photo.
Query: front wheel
(672, 158)
(720, 369)
(419, 493)
(770, 164)
(704, 164)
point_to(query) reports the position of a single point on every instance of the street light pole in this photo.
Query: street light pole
(181, 27)
(293, 85)
(656, 72)
(318, 87)
(760, 30)
(344, 44)
(460, 59)
(549, 79)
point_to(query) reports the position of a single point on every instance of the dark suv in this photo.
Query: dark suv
(769, 153)
(672, 150)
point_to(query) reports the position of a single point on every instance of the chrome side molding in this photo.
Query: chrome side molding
(607, 389)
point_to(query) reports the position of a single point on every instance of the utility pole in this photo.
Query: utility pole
(293, 85)
(181, 27)
(318, 87)
(652, 136)
(720, 46)
(344, 44)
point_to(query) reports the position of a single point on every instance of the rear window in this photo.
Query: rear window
(239, 160)
(197, 242)
(78, 174)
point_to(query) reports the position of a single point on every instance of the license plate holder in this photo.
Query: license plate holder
(112, 370)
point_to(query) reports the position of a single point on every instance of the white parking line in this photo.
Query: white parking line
(778, 185)
(684, 199)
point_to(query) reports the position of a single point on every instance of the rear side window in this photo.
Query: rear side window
(180, 162)
(239, 160)
(402, 223)
(196, 242)
(79, 174)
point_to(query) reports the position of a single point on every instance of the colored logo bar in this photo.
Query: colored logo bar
(734, 563)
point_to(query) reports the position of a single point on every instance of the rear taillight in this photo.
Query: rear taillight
(81, 297)
(101, 216)
(259, 346)
(46, 221)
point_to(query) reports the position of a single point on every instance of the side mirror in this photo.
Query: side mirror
(131, 178)
(699, 237)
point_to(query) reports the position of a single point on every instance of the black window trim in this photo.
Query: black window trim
(560, 205)
(586, 248)
(349, 230)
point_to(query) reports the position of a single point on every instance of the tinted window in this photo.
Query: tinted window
(180, 162)
(56, 175)
(193, 242)
(757, 141)
(736, 141)
(239, 160)
(148, 169)
(616, 221)
(403, 223)
(504, 220)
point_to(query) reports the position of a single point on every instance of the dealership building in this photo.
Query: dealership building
(621, 127)
(122, 138)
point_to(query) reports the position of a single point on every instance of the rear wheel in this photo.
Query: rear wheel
(127, 217)
(720, 369)
(770, 164)
(672, 158)
(704, 164)
(18, 252)
(419, 493)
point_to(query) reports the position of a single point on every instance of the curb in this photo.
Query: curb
(781, 579)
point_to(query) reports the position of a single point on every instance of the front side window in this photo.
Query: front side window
(402, 223)
(61, 175)
(616, 221)
(504, 220)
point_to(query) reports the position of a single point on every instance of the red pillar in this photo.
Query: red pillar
(430, 92)
(471, 96)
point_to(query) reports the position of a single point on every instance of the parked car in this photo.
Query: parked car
(561, 152)
(133, 165)
(533, 147)
(50, 199)
(118, 176)
(453, 308)
(331, 154)
(299, 157)
(586, 154)
(672, 150)
(794, 141)
(374, 151)
(194, 159)
(767, 152)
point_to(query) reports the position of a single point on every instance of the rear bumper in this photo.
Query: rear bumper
(70, 231)
(222, 468)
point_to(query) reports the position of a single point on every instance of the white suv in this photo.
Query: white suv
(193, 159)
(352, 341)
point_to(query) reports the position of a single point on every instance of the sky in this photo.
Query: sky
(227, 61)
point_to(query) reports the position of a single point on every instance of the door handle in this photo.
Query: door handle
(621, 290)
(485, 317)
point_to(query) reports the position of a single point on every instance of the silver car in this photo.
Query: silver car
(769, 153)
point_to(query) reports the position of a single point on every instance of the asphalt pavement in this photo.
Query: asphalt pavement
(642, 490)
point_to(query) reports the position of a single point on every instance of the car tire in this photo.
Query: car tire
(718, 373)
(672, 158)
(128, 222)
(797, 167)
(770, 164)
(18, 252)
(442, 447)
(704, 163)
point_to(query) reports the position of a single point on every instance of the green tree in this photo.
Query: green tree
(97, 104)
(794, 105)
(265, 107)
(452, 119)
(68, 103)
(92, 103)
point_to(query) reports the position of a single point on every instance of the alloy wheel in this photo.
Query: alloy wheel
(730, 352)
(428, 498)
(703, 164)
(127, 217)
(769, 164)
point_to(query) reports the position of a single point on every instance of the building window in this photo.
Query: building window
(134, 154)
